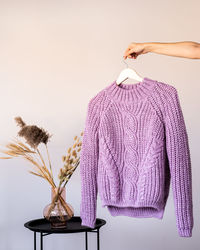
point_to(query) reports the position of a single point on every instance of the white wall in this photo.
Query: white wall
(55, 56)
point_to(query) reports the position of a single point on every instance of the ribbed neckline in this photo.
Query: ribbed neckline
(130, 92)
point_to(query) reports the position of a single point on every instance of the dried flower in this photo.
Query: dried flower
(74, 153)
(33, 134)
(20, 122)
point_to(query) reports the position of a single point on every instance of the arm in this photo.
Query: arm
(88, 166)
(178, 152)
(187, 49)
(179, 49)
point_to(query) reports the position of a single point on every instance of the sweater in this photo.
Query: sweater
(134, 145)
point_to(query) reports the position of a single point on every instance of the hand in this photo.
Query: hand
(135, 49)
(186, 49)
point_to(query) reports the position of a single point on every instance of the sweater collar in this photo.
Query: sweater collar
(130, 92)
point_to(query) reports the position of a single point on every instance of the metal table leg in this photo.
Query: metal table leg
(98, 238)
(98, 246)
(41, 241)
(86, 240)
(34, 240)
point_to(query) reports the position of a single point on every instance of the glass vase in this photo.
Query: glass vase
(58, 212)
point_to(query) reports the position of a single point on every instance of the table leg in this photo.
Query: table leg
(34, 240)
(41, 241)
(98, 247)
(86, 240)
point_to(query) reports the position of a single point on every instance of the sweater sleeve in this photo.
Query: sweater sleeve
(88, 166)
(178, 152)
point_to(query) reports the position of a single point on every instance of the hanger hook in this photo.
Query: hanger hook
(125, 62)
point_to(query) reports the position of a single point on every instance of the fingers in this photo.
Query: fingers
(133, 55)
(126, 53)
(130, 52)
(133, 50)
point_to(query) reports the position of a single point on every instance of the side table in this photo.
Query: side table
(43, 227)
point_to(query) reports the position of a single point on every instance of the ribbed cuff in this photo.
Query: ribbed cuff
(185, 232)
(87, 223)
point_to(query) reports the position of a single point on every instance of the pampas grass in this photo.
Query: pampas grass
(34, 136)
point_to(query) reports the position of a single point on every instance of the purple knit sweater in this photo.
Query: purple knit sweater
(134, 144)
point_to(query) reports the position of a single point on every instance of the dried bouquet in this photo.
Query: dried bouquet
(34, 136)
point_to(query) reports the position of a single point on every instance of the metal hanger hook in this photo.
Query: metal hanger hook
(125, 62)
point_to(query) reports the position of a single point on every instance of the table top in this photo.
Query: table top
(73, 226)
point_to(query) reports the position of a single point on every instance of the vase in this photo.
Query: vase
(58, 212)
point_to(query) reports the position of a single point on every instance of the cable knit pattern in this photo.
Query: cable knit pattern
(134, 144)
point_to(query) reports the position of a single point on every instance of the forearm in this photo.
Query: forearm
(185, 49)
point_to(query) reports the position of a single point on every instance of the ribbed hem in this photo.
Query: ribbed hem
(128, 93)
(87, 223)
(130, 209)
(185, 232)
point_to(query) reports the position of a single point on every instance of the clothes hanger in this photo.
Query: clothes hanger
(128, 73)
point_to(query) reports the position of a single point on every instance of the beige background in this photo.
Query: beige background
(54, 57)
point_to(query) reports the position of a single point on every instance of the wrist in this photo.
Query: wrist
(151, 47)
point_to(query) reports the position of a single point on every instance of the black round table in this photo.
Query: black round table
(43, 227)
